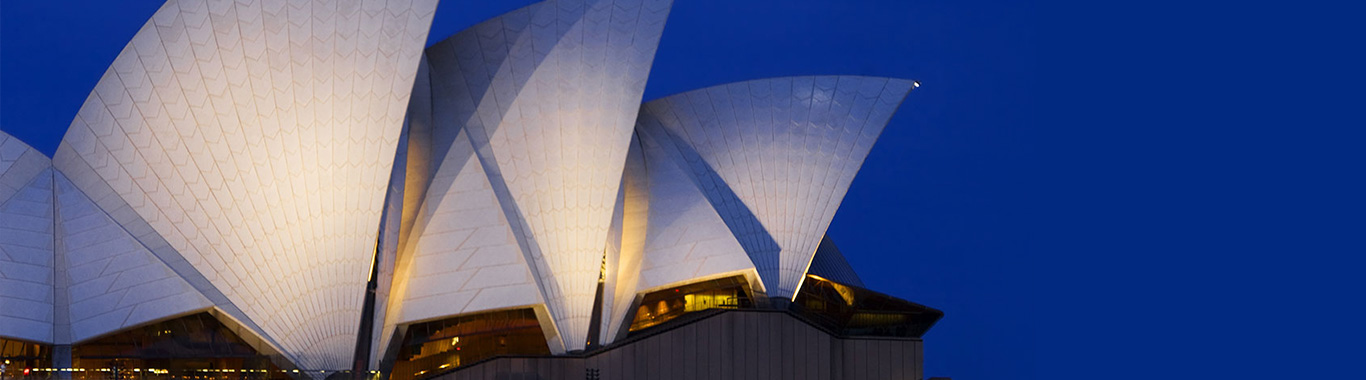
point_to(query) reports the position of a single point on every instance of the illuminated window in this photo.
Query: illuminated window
(431, 348)
(18, 355)
(852, 310)
(665, 305)
(189, 345)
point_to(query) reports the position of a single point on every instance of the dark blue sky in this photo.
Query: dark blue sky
(927, 219)
(1096, 190)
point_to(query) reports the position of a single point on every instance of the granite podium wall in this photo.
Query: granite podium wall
(724, 345)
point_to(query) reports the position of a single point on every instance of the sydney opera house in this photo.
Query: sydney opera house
(301, 189)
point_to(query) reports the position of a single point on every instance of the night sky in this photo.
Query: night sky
(1191, 208)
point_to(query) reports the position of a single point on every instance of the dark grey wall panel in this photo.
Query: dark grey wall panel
(884, 366)
(874, 361)
(898, 366)
(627, 365)
(739, 344)
(724, 344)
(823, 351)
(653, 357)
(664, 345)
(919, 358)
(811, 341)
(786, 347)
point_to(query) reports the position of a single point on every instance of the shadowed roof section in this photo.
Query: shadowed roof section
(831, 264)
(548, 95)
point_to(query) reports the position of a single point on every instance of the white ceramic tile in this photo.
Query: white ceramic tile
(26, 248)
(547, 132)
(200, 102)
(779, 203)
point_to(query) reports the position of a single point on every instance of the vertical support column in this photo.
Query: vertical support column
(61, 295)
(360, 366)
(61, 358)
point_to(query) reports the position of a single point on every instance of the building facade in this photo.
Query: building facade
(299, 188)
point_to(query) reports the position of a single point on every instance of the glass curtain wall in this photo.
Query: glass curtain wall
(19, 358)
(855, 311)
(665, 305)
(434, 347)
(193, 346)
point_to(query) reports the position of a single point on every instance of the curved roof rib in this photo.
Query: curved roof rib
(548, 95)
(248, 145)
(462, 256)
(776, 156)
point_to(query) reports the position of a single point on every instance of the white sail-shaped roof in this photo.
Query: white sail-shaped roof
(687, 239)
(776, 156)
(462, 256)
(625, 243)
(549, 96)
(114, 281)
(26, 244)
(248, 145)
(254, 159)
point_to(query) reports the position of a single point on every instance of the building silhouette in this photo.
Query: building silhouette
(289, 189)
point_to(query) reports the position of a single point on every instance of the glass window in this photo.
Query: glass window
(665, 305)
(434, 347)
(17, 356)
(851, 310)
(193, 345)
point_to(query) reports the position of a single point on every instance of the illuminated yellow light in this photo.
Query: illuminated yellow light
(444, 366)
(374, 250)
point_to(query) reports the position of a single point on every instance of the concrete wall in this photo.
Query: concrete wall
(737, 344)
